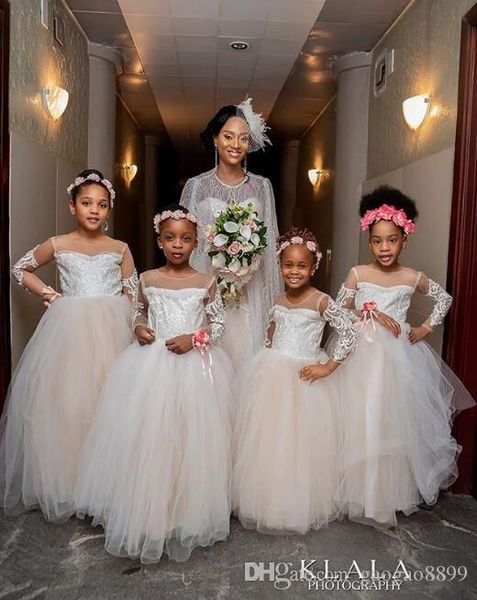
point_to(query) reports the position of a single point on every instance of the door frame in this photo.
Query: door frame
(462, 263)
(5, 341)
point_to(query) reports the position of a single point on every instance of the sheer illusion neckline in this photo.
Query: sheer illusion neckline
(301, 301)
(237, 185)
(172, 276)
(387, 287)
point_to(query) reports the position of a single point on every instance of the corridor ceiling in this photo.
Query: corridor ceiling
(177, 58)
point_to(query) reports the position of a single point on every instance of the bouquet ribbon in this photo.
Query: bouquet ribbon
(201, 342)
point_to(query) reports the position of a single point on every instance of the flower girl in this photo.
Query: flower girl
(286, 463)
(56, 386)
(156, 469)
(397, 395)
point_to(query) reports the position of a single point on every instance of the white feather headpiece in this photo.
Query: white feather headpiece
(257, 126)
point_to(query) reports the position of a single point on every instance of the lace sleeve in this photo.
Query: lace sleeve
(23, 269)
(139, 307)
(269, 329)
(341, 320)
(346, 294)
(443, 301)
(215, 313)
(130, 279)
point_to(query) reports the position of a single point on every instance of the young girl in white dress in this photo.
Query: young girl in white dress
(156, 469)
(56, 386)
(286, 462)
(397, 395)
(232, 133)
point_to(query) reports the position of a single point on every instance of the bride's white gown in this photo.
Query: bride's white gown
(206, 195)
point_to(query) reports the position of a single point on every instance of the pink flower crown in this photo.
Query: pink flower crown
(387, 213)
(297, 240)
(94, 177)
(177, 214)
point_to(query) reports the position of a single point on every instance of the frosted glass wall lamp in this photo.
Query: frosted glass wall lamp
(55, 99)
(130, 172)
(317, 175)
(415, 110)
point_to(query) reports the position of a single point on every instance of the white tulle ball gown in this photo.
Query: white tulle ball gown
(397, 402)
(286, 436)
(156, 469)
(56, 386)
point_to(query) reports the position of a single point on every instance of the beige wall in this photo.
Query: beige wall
(130, 209)
(314, 204)
(45, 155)
(426, 41)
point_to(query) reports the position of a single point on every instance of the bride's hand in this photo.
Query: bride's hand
(145, 335)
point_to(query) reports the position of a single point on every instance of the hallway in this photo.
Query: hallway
(137, 83)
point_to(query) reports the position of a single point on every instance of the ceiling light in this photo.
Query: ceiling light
(239, 45)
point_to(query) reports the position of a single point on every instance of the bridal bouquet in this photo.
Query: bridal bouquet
(235, 244)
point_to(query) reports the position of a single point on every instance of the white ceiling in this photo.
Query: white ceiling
(184, 49)
(189, 70)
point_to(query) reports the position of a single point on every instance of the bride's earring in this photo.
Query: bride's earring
(245, 164)
(216, 153)
(106, 226)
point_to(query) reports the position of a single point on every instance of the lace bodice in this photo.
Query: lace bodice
(392, 292)
(175, 312)
(394, 300)
(85, 268)
(298, 330)
(84, 275)
(173, 306)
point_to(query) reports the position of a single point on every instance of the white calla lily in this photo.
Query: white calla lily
(234, 265)
(231, 227)
(246, 231)
(255, 239)
(220, 240)
(218, 261)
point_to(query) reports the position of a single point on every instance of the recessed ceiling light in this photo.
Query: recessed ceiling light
(239, 45)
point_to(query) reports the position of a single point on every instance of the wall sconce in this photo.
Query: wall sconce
(415, 110)
(130, 172)
(317, 175)
(56, 100)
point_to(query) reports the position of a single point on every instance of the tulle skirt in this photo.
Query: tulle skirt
(156, 467)
(396, 404)
(53, 398)
(286, 462)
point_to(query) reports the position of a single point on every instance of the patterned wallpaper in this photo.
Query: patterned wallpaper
(35, 63)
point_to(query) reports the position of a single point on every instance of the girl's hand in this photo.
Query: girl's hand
(313, 372)
(418, 333)
(180, 344)
(145, 335)
(389, 323)
(49, 296)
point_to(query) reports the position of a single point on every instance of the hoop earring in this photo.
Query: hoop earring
(216, 156)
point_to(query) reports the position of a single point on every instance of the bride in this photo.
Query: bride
(231, 134)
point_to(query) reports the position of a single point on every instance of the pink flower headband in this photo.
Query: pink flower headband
(388, 213)
(177, 214)
(297, 240)
(94, 177)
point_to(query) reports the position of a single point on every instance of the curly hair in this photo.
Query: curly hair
(307, 236)
(385, 194)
